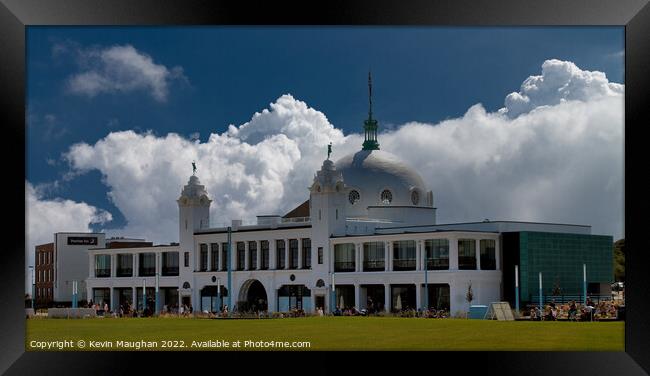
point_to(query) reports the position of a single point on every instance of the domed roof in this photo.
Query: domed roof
(373, 172)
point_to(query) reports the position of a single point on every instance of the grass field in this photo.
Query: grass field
(335, 333)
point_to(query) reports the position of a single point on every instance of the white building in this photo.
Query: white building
(368, 230)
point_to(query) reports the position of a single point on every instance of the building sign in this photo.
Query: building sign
(76, 240)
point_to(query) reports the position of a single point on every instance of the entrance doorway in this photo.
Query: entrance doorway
(320, 302)
(252, 297)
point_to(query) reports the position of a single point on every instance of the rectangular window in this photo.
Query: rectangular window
(125, 265)
(203, 260)
(170, 263)
(187, 259)
(224, 256)
(293, 253)
(467, 254)
(214, 253)
(344, 260)
(102, 296)
(252, 255)
(147, 265)
(102, 266)
(488, 254)
(241, 255)
(264, 244)
(374, 254)
(320, 255)
(280, 251)
(306, 253)
(404, 255)
(437, 251)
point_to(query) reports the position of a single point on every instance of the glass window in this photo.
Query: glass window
(124, 265)
(386, 197)
(354, 197)
(241, 255)
(214, 253)
(374, 254)
(437, 251)
(264, 244)
(187, 259)
(252, 255)
(415, 197)
(170, 263)
(320, 255)
(280, 254)
(467, 254)
(147, 264)
(306, 253)
(224, 256)
(203, 261)
(439, 296)
(344, 260)
(404, 255)
(102, 266)
(102, 296)
(488, 254)
(293, 253)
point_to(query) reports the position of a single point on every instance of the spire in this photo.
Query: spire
(370, 125)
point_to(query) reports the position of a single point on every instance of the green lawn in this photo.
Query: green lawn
(339, 333)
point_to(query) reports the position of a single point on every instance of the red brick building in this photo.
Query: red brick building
(44, 274)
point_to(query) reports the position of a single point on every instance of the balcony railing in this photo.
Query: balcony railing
(124, 272)
(374, 265)
(404, 264)
(170, 270)
(437, 264)
(344, 266)
(102, 273)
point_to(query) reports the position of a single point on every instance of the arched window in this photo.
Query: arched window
(320, 283)
(186, 285)
(353, 196)
(415, 197)
(386, 197)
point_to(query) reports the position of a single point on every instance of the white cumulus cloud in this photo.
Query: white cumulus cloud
(558, 160)
(121, 69)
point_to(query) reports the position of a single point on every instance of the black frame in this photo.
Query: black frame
(633, 14)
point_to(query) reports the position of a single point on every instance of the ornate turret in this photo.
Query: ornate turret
(370, 125)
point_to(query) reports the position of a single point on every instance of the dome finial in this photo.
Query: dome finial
(370, 125)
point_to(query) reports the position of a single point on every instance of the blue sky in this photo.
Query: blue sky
(424, 74)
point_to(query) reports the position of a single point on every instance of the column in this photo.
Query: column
(246, 256)
(453, 253)
(286, 254)
(390, 255)
(497, 252)
(258, 255)
(360, 248)
(209, 265)
(387, 304)
(136, 265)
(273, 257)
(386, 256)
(91, 266)
(418, 296)
(332, 256)
(159, 262)
(113, 265)
(299, 253)
(418, 255)
(478, 254)
(273, 295)
(133, 298)
(357, 296)
(111, 305)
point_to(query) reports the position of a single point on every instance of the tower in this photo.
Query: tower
(194, 214)
(370, 125)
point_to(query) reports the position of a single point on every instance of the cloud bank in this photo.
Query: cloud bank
(554, 153)
(121, 69)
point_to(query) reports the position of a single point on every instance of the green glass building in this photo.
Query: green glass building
(560, 258)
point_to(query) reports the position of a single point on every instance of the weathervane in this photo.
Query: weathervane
(329, 150)
(193, 168)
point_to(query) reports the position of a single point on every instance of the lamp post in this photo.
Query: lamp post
(229, 262)
(218, 294)
(333, 299)
(426, 282)
(157, 292)
(33, 278)
(517, 288)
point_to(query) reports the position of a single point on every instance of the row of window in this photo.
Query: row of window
(295, 255)
(43, 293)
(44, 276)
(44, 258)
(386, 197)
(404, 255)
(147, 265)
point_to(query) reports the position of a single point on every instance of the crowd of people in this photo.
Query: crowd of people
(590, 311)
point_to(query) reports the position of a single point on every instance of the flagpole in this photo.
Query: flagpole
(229, 262)
(144, 295)
(584, 283)
(157, 292)
(333, 305)
(517, 288)
(426, 282)
(541, 305)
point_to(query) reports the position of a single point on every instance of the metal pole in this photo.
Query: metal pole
(426, 282)
(229, 261)
(157, 292)
(218, 295)
(33, 285)
(144, 295)
(333, 303)
(74, 294)
(517, 288)
(584, 283)
(541, 304)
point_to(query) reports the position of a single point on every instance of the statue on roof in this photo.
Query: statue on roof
(193, 168)
(329, 150)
